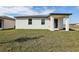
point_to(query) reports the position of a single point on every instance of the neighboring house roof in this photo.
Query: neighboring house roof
(42, 16)
(6, 17)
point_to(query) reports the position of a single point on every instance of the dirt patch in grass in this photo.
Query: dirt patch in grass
(22, 39)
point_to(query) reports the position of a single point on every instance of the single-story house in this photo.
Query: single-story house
(74, 24)
(6, 22)
(77, 24)
(53, 21)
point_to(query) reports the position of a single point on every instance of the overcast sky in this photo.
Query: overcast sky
(40, 10)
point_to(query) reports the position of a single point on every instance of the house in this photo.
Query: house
(74, 24)
(77, 24)
(6, 22)
(53, 21)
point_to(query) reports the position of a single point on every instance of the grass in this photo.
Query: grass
(38, 41)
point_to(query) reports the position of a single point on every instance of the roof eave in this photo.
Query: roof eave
(60, 13)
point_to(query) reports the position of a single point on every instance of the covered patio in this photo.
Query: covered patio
(59, 21)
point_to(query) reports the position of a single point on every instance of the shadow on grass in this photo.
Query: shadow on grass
(23, 39)
(70, 29)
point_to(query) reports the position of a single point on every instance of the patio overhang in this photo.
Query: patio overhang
(60, 15)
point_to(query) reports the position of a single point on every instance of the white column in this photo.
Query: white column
(67, 24)
(51, 23)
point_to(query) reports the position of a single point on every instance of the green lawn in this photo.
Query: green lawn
(38, 40)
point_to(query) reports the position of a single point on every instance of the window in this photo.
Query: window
(30, 21)
(42, 21)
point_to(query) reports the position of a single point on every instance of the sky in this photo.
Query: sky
(40, 10)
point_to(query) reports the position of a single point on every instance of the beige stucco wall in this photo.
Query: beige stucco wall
(22, 23)
(8, 23)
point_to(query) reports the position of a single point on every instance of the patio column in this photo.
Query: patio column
(67, 24)
(51, 23)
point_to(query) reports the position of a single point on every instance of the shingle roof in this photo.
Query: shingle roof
(6, 17)
(42, 16)
(33, 16)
